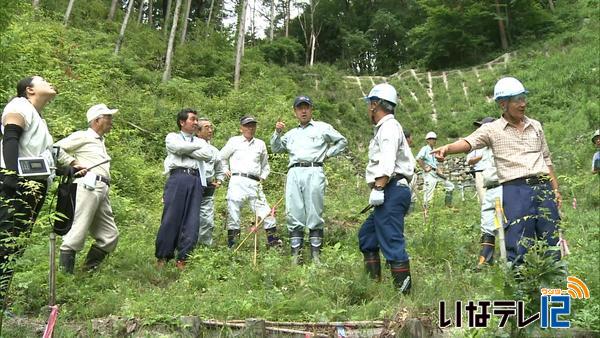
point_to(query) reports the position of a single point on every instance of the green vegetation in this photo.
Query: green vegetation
(561, 73)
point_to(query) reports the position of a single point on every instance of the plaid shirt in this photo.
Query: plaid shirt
(517, 154)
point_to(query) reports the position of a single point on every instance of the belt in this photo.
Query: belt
(250, 176)
(188, 171)
(492, 186)
(307, 164)
(398, 177)
(531, 180)
(103, 179)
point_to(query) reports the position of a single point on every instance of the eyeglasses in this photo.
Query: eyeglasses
(521, 98)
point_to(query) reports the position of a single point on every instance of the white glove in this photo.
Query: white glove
(376, 198)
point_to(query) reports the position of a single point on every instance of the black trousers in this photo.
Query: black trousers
(181, 217)
(17, 216)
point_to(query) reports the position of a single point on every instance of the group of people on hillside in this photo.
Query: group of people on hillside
(510, 152)
(196, 169)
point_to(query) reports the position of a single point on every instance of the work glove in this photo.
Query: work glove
(376, 198)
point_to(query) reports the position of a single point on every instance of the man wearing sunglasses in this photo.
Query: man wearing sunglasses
(530, 193)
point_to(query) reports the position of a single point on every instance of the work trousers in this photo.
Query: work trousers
(17, 216)
(180, 218)
(207, 217)
(488, 210)
(384, 227)
(531, 213)
(93, 214)
(430, 180)
(243, 190)
(304, 197)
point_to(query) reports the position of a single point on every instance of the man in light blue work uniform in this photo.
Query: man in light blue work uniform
(431, 173)
(215, 174)
(492, 191)
(388, 173)
(308, 145)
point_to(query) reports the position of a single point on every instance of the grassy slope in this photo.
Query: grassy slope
(219, 284)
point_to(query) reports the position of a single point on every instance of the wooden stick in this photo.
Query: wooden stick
(364, 323)
(259, 223)
(275, 329)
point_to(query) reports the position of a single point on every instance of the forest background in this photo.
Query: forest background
(436, 53)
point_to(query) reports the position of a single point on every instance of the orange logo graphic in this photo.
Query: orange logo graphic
(576, 288)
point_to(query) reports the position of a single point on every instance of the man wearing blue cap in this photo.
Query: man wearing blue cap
(309, 144)
(388, 174)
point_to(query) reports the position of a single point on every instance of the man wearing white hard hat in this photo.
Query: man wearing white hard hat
(530, 194)
(388, 174)
(93, 212)
(308, 144)
(432, 174)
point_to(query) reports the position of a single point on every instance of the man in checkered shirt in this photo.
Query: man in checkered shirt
(530, 194)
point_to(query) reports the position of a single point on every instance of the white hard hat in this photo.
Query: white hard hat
(431, 135)
(384, 91)
(507, 87)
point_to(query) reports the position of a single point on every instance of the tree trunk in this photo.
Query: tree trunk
(185, 17)
(68, 12)
(167, 17)
(167, 73)
(551, 4)
(313, 39)
(210, 11)
(240, 45)
(35, 4)
(123, 27)
(287, 17)
(253, 22)
(150, 13)
(113, 9)
(272, 20)
(141, 11)
(501, 28)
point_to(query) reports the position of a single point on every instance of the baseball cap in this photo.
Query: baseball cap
(484, 121)
(302, 99)
(247, 119)
(100, 109)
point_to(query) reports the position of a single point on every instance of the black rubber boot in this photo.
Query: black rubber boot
(401, 275)
(448, 199)
(315, 237)
(486, 255)
(273, 240)
(232, 236)
(66, 261)
(373, 265)
(94, 257)
(296, 244)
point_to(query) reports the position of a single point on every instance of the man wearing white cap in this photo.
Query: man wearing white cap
(431, 173)
(93, 212)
